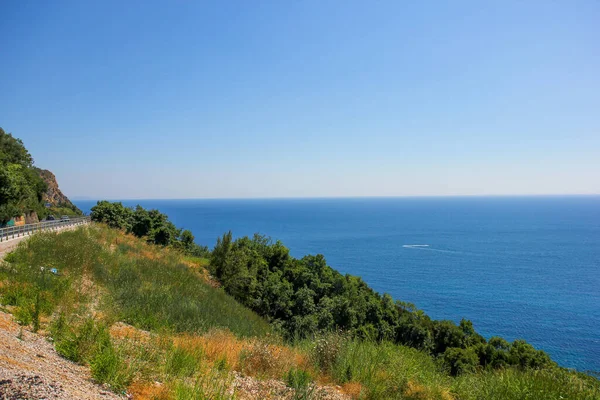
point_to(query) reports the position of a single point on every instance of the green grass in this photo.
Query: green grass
(103, 277)
(211, 386)
(202, 262)
(390, 371)
(385, 370)
(512, 384)
(108, 366)
(181, 362)
(152, 294)
(88, 341)
(302, 383)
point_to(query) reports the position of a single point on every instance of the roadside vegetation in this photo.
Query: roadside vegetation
(22, 186)
(151, 225)
(155, 322)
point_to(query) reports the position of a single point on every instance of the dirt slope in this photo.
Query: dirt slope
(30, 368)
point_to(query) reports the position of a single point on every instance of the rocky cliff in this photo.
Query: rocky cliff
(53, 195)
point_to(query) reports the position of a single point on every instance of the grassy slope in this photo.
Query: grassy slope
(197, 333)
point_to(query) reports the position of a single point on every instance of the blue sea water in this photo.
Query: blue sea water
(518, 267)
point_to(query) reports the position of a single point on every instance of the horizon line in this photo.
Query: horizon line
(90, 198)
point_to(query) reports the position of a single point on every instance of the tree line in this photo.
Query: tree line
(305, 296)
(152, 225)
(21, 186)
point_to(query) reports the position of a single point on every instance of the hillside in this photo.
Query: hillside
(151, 321)
(53, 195)
(25, 189)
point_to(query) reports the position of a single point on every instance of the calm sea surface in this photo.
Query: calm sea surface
(522, 267)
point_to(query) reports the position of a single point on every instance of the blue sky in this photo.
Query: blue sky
(189, 99)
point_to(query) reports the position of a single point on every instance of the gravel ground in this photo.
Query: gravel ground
(30, 368)
(248, 388)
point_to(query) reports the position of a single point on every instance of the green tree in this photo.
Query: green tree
(471, 336)
(413, 334)
(141, 223)
(445, 335)
(162, 235)
(12, 150)
(525, 355)
(460, 360)
(219, 255)
(114, 215)
(21, 187)
(304, 302)
(493, 354)
(20, 190)
(187, 239)
(13, 190)
(276, 297)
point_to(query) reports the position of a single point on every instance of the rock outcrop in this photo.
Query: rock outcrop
(53, 195)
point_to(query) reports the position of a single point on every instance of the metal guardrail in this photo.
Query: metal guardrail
(12, 232)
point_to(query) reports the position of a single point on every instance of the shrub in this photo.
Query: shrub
(260, 358)
(89, 341)
(297, 378)
(326, 350)
(78, 340)
(445, 335)
(460, 360)
(107, 366)
(525, 355)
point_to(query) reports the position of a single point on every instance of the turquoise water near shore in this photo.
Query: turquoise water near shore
(518, 267)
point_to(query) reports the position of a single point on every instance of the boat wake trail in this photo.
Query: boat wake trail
(426, 247)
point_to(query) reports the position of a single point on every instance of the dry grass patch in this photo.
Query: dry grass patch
(148, 391)
(352, 389)
(7, 322)
(269, 360)
(201, 271)
(217, 345)
(252, 356)
(121, 330)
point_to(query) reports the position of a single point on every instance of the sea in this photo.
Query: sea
(517, 267)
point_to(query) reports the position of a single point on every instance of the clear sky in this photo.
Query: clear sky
(189, 99)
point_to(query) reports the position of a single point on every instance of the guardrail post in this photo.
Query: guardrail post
(11, 232)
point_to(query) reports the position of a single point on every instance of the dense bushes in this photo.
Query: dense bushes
(152, 225)
(305, 296)
(21, 187)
